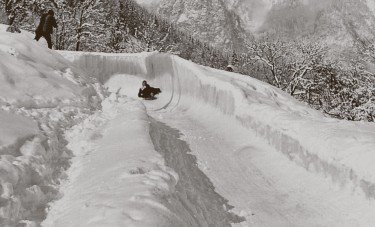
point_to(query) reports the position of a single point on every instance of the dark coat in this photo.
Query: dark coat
(42, 21)
(148, 92)
(49, 24)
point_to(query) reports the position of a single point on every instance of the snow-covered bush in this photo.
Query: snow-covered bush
(302, 69)
(345, 93)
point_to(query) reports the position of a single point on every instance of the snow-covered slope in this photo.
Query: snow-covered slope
(34, 77)
(117, 175)
(209, 20)
(338, 24)
(274, 159)
(41, 94)
(340, 150)
(278, 162)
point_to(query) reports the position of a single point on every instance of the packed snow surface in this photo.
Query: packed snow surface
(41, 94)
(341, 150)
(215, 149)
(276, 161)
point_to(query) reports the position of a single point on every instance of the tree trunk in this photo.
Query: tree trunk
(7, 8)
(78, 44)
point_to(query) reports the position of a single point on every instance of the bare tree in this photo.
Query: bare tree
(272, 55)
(307, 56)
(287, 63)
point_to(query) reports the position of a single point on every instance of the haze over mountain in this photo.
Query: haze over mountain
(338, 22)
(211, 21)
(334, 22)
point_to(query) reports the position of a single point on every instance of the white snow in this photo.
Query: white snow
(183, 18)
(34, 77)
(41, 94)
(336, 154)
(11, 132)
(339, 149)
(371, 5)
(149, 4)
(116, 172)
(276, 161)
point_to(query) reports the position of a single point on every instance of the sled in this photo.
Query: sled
(150, 98)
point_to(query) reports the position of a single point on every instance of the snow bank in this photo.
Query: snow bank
(341, 150)
(117, 177)
(33, 76)
(15, 128)
(41, 94)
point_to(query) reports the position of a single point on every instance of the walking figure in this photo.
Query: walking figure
(45, 27)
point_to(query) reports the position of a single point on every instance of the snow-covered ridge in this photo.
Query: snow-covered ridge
(34, 77)
(41, 94)
(340, 150)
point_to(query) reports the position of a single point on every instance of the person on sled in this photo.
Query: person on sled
(148, 92)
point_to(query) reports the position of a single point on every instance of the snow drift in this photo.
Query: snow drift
(41, 94)
(341, 150)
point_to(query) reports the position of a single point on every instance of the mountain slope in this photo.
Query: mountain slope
(334, 23)
(208, 20)
(331, 22)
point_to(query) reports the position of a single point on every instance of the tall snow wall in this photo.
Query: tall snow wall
(343, 151)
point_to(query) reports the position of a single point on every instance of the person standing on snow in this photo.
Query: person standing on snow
(45, 27)
(39, 29)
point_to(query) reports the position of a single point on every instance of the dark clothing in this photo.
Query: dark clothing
(46, 36)
(39, 29)
(49, 40)
(38, 34)
(148, 92)
(45, 28)
(49, 24)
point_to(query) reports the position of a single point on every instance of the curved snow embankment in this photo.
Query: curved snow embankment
(341, 150)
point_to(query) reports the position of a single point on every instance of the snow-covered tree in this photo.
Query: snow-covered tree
(286, 64)
(272, 54)
(88, 25)
(305, 57)
(15, 10)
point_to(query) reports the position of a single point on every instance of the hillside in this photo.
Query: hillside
(215, 148)
(341, 25)
(208, 20)
(235, 129)
(41, 95)
(338, 24)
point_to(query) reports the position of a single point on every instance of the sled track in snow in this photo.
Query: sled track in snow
(194, 194)
(175, 80)
(189, 83)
